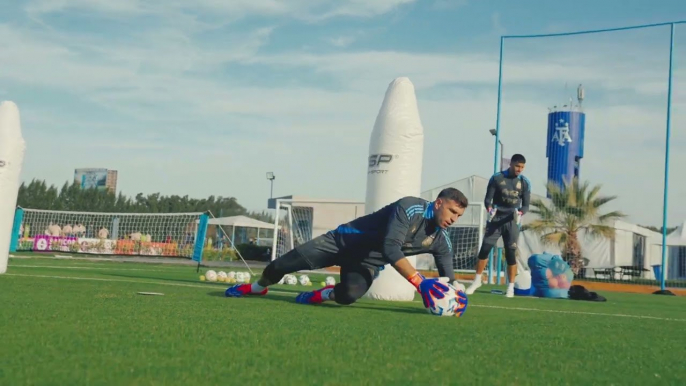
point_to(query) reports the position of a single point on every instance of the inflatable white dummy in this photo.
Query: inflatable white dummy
(395, 171)
(12, 147)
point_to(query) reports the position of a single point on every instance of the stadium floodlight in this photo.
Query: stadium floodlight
(502, 147)
(271, 177)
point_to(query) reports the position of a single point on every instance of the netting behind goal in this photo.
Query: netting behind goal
(300, 221)
(137, 234)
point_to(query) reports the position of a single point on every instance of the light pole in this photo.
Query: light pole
(271, 177)
(492, 131)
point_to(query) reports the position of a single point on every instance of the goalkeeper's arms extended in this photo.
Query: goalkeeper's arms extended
(397, 228)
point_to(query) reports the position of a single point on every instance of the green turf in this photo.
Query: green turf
(87, 325)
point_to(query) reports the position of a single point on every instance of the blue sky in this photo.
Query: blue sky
(206, 98)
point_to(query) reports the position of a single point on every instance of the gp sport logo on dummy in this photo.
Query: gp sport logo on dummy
(551, 276)
(377, 161)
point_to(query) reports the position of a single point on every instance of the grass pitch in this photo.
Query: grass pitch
(74, 322)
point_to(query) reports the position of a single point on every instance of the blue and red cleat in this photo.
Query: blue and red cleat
(312, 297)
(240, 290)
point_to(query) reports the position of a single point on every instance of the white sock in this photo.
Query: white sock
(477, 279)
(326, 294)
(510, 286)
(256, 288)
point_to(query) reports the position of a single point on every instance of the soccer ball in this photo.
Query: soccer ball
(454, 303)
(330, 281)
(240, 277)
(291, 280)
(211, 275)
(221, 276)
(304, 280)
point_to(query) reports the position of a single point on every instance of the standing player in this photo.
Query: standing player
(507, 199)
(409, 226)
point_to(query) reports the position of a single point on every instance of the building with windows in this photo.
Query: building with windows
(98, 178)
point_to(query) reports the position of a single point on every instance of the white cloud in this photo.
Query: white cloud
(443, 5)
(126, 7)
(165, 84)
(497, 25)
(229, 10)
(341, 41)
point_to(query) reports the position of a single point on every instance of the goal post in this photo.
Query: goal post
(606, 238)
(298, 220)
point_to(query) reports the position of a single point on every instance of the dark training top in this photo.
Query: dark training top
(403, 228)
(505, 191)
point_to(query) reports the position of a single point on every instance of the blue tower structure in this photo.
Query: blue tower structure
(565, 143)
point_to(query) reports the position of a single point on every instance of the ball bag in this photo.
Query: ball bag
(551, 276)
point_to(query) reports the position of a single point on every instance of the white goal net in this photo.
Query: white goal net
(298, 221)
(137, 234)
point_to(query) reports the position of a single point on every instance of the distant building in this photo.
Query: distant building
(97, 178)
(111, 182)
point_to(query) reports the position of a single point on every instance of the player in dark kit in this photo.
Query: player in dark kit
(507, 200)
(409, 226)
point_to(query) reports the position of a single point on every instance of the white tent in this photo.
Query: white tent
(633, 245)
(243, 222)
(678, 237)
(676, 253)
(240, 221)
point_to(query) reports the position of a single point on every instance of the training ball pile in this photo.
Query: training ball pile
(454, 303)
(290, 279)
(224, 277)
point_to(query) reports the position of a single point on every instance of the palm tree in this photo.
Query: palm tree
(574, 208)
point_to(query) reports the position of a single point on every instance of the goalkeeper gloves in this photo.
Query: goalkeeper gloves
(518, 217)
(428, 288)
(491, 214)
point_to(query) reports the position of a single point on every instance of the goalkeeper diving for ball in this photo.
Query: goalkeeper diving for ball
(407, 227)
(504, 193)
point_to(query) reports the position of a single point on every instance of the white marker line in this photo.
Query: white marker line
(106, 279)
(86, 267)
(579, 312)
(291, 293)
(170, 269)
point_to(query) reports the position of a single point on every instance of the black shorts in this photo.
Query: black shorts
(505, 226)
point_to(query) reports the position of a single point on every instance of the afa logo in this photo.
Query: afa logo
(561, 135)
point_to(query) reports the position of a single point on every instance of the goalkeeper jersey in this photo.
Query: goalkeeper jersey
(403, 228)
(508, 192)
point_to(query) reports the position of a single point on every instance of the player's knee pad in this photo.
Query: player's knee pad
(485, 251)
(272, 272)
(511, 255)
(346, 293)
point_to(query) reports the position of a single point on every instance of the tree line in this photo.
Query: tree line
(71, 197)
